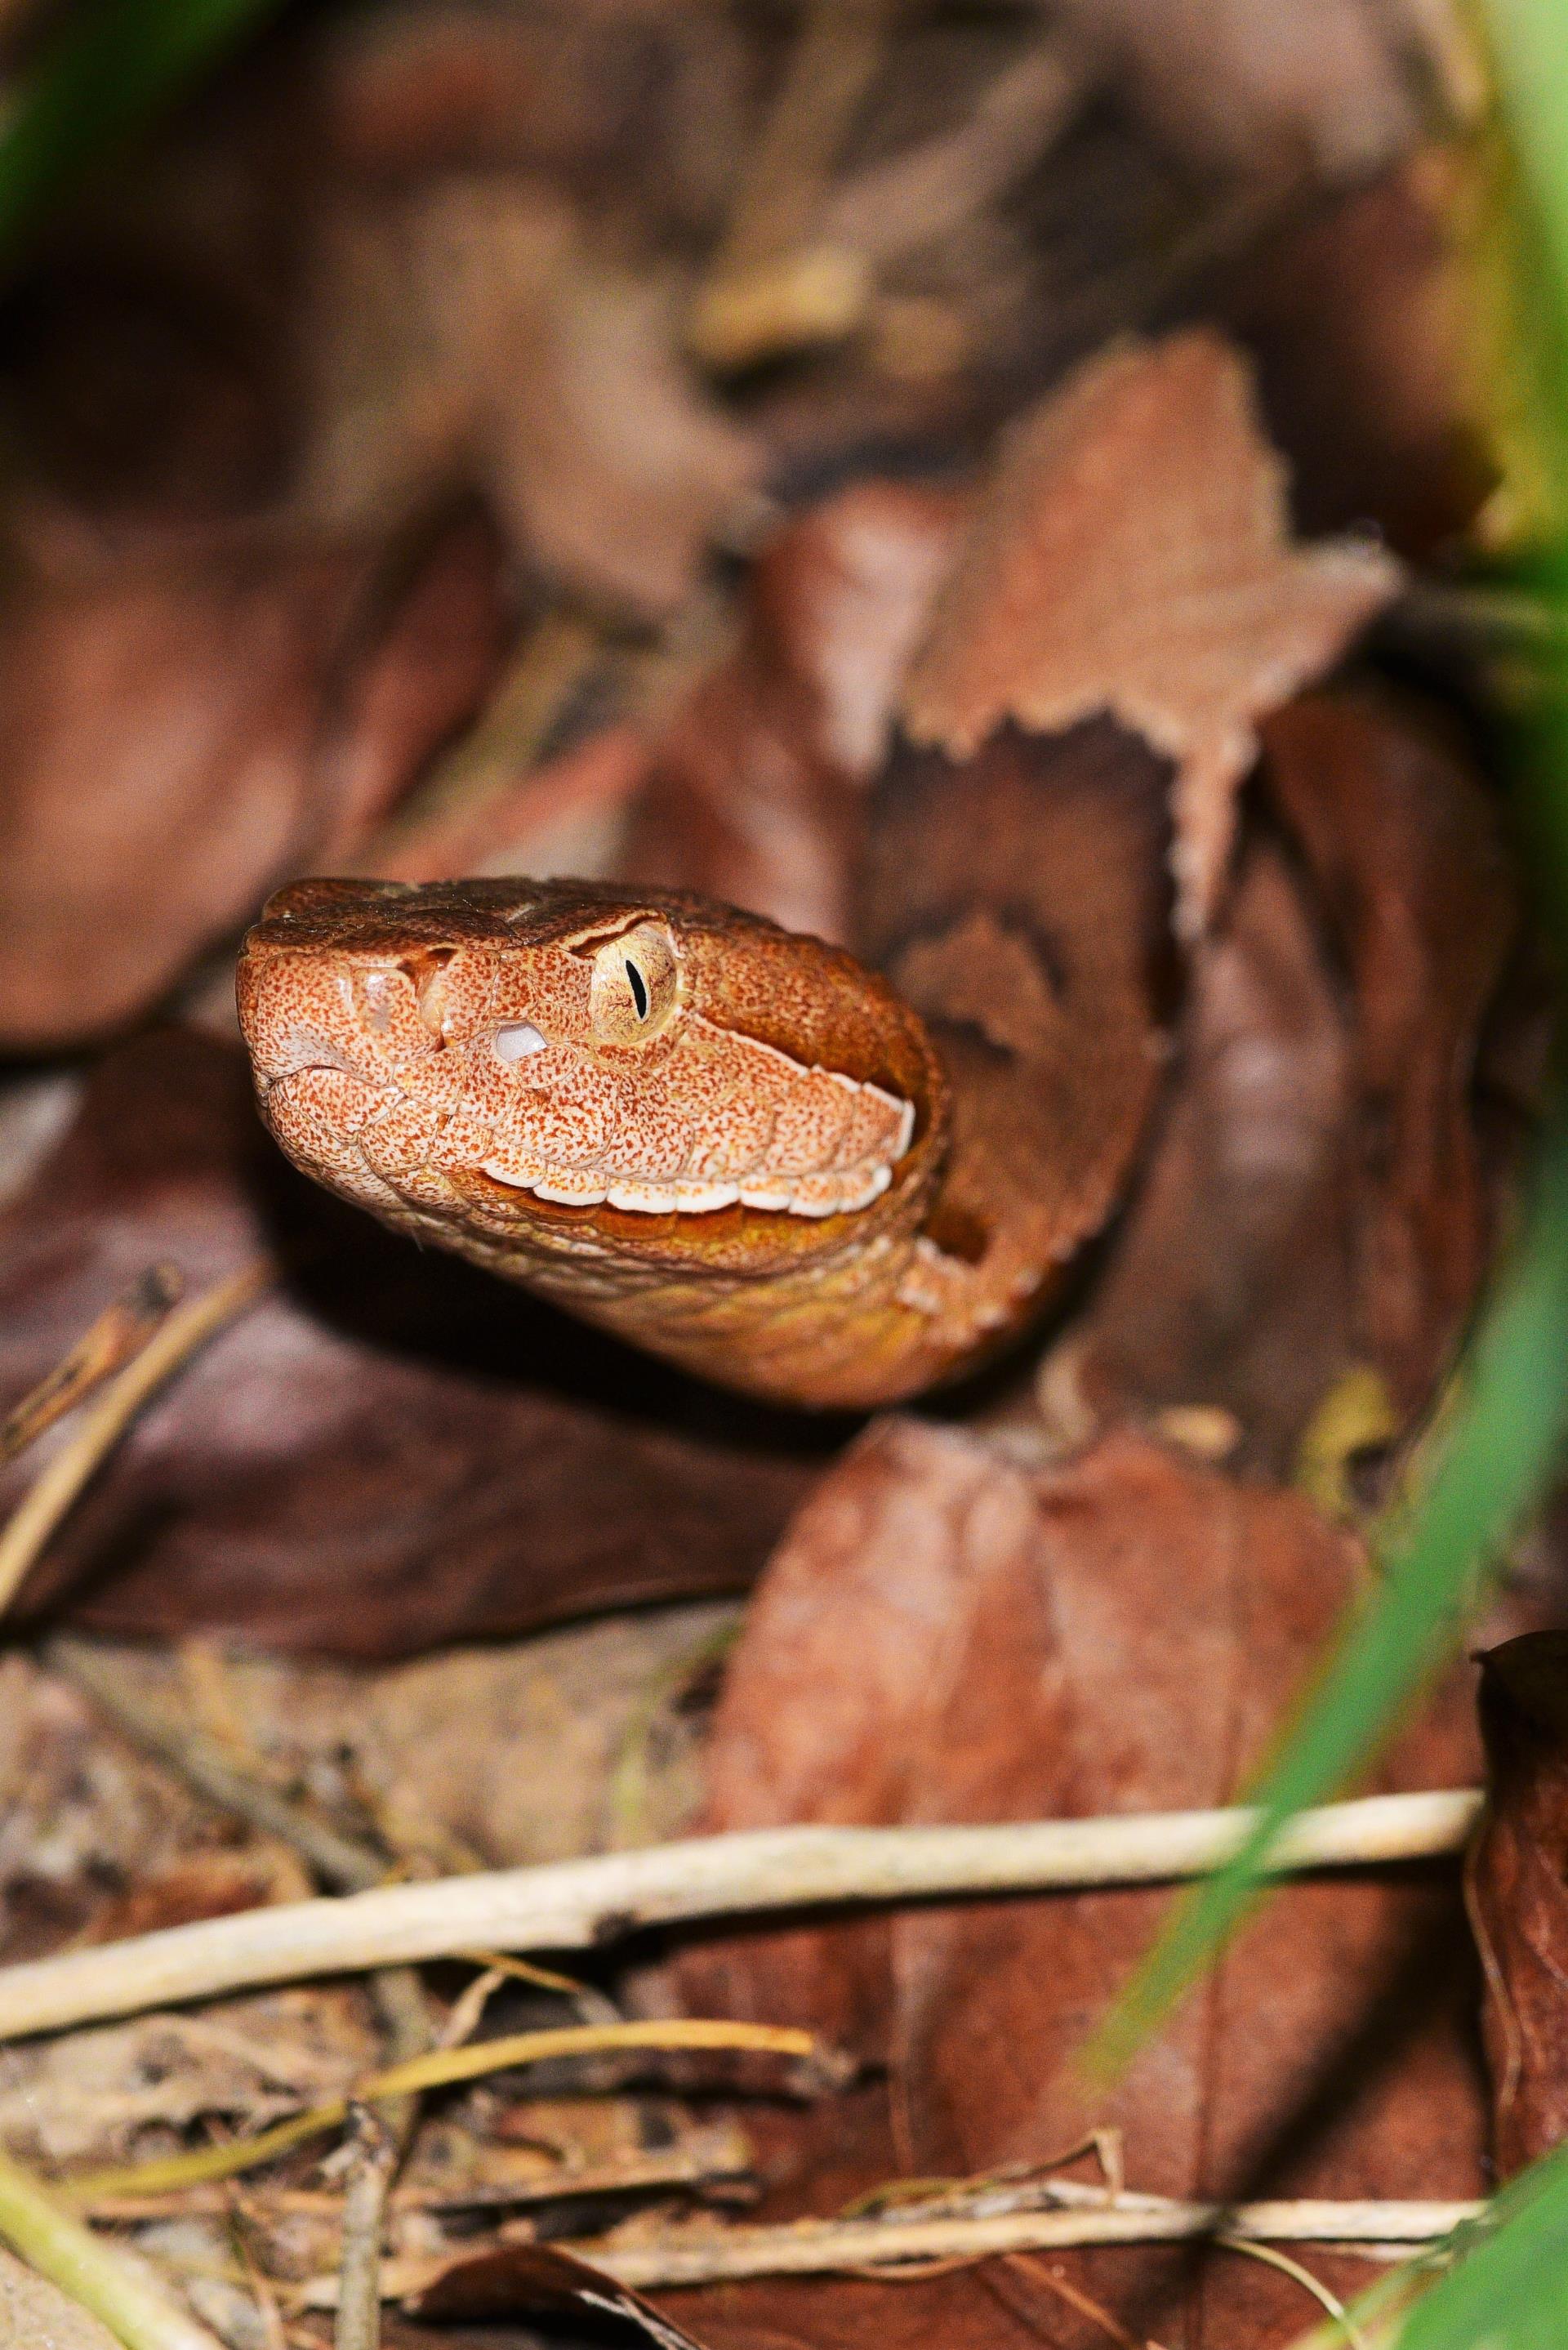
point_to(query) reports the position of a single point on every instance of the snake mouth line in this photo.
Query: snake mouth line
(814, 1195)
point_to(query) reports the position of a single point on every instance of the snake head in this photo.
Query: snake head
(563, 1067)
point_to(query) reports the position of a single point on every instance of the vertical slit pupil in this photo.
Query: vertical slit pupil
(639, 986)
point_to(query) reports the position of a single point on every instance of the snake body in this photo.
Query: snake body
(740, 1147)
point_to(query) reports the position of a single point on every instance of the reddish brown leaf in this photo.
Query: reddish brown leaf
(1231, 1282)
(258, 709)
(1132, 554)
(1519, 1894)
(386, 1454)
(1316, 1197)
(1405, 846)
(978, 1643)
(755, 794)
(1360, 320)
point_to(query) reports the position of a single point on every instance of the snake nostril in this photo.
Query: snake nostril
(427, 968)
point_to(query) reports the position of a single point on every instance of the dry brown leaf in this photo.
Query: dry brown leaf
(385, 1453)
(1517, 1886)
(754, 793)
(467, 335)
(1317, 1198)
(1229, 1283)
(1132, 554)
(1338, 86)
(1405, 845)
(979, 1643)
(537, 2281)
(254, 709)
(1360, 320)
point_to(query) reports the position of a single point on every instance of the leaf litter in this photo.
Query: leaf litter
(425, 521)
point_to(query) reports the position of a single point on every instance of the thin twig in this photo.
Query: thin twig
(578, 1904)
(1271, 2257)
(119, 1333)
(375, 2149)
(820, 2247)
(119, 2292)
(730, 2173)
(813, 2247)
(49, 1497)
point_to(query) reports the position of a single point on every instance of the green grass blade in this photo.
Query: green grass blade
(1509, 2288)
(1499, 2282)
(1498, 1449)
(112, 66)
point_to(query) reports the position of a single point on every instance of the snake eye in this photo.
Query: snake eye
(636, 985)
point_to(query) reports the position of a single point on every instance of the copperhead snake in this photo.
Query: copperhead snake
(826, 1181)
(738, 1147)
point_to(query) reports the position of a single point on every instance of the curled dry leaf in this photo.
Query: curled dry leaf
(1360, 321)
(1316, 1197)
(384, 1453)
(537, 2281)
(466, 335)
(1405, 846)
(1229, 1283)
(1132, 554)
(754, 793)
(968, 1635)
(260, 708)
(1517, 1886)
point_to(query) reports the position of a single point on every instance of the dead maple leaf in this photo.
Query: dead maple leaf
(1132, 554)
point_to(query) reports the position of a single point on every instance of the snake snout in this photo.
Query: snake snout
(319, 1008)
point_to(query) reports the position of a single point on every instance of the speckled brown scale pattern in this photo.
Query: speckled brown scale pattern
(465, 1061)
